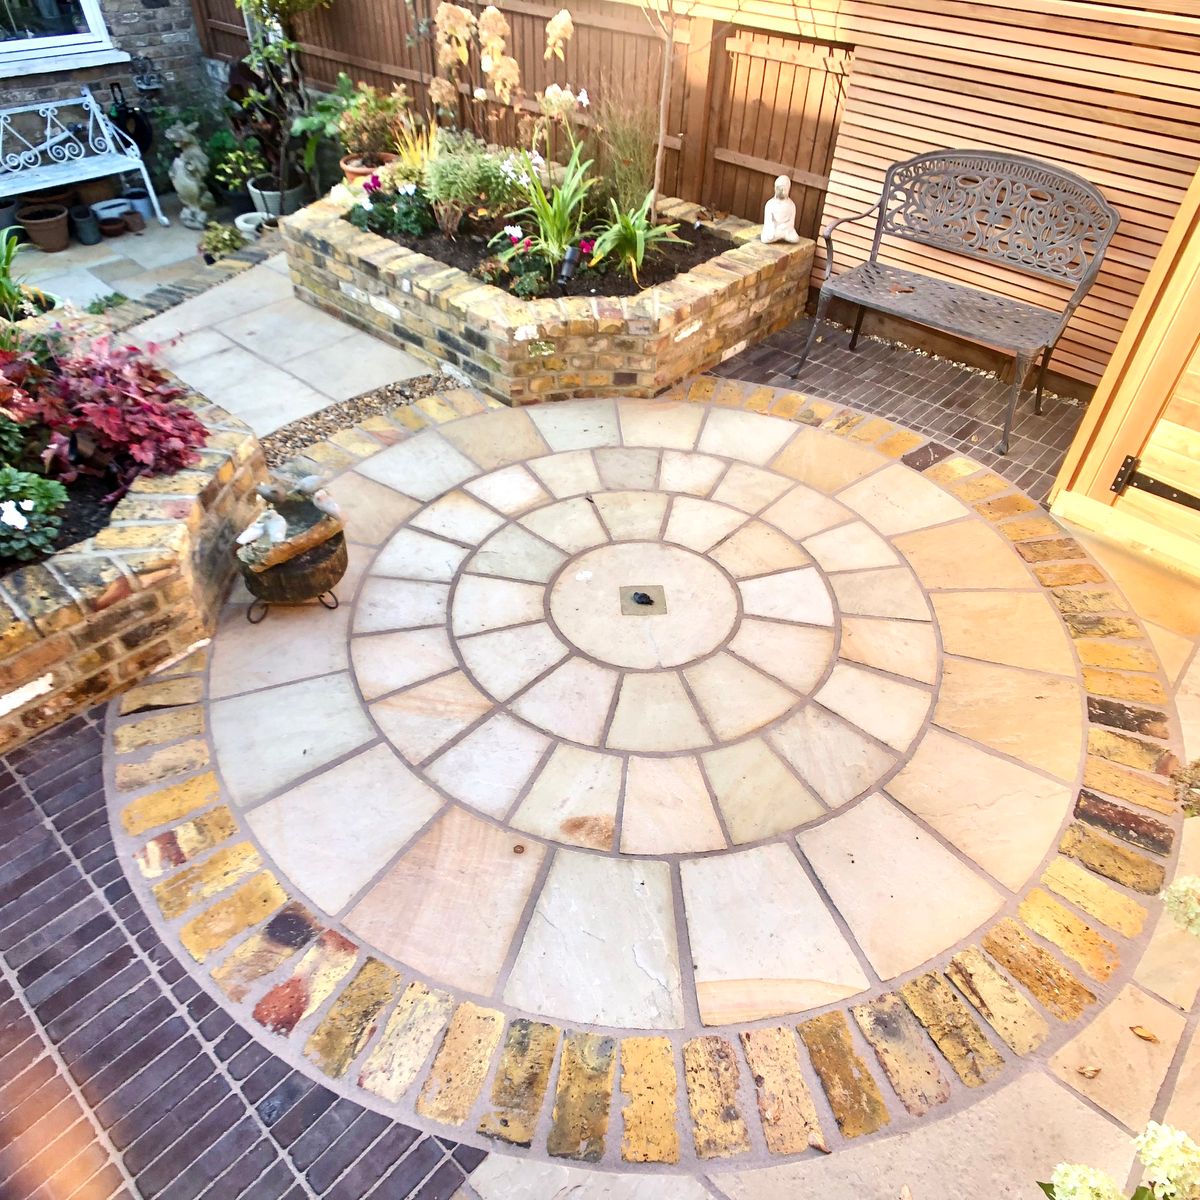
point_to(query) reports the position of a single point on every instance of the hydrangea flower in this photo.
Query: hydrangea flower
(1073, 1181)
(1171, 1159)
(1182, 900)
(442, 92)
(480, 93)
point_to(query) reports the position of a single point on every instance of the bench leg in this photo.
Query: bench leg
(818, 321)
(857, 327)
(1021, 369)
(1037, 400)
(158, 212)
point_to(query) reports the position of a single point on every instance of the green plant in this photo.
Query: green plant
(29, 520)
(102, 304)
(13, 442)
(239, 166)
(17, 299)
(405, 211)
(557, 213)
(372, 121)
(629, 236)
(219, 240)
(320, 122)
(626, 128)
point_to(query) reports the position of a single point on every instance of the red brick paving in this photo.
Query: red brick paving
(119, 1077)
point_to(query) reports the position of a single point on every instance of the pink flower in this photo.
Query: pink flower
(587, 246)
(372, 185)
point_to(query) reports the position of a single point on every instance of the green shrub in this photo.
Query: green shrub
(404, 211)
(29, 520)
(629, 236)
(465, 172)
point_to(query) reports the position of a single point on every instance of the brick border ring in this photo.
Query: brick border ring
(1006, 997)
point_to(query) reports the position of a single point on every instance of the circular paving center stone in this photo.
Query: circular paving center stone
(505, 850)
(643, 605)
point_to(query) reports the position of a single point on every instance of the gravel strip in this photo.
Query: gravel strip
(284, 444)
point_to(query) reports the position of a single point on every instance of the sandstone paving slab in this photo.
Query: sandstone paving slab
(804, 511)
(497, 438)
(888, 709)
(573, 700)
(872, 860)
(693, 474)
(481, 604)
(511, 491)
(881, 592)
(577, 426)
(626, 469)
(763, 942)
(749, 488)
(489, 767)
(456, 515)
(667, 808)
(387, 662)
(571, 526)
(333, 832)
(756, 793)
(821, 461)
(743, 436)
(850, 547)
(633, 515)
(400, 604)
(450, 928)
(1000, 814)
(897, 500)
(270, 738)
(796, 655)
(963, 554)
(423, 467)
(1020, 629)
(908, 649)
(574, 798)
(665, 423)
(414, 555)
(422, 719)
(572, 473)
(699, 524)
(601, 946)
(501, 1178)
(1132, 1065)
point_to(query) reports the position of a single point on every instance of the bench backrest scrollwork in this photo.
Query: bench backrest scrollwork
(38, 136)
(1013, 211)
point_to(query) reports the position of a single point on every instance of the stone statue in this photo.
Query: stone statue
(300, 514)
(188, 174)
(779, 216)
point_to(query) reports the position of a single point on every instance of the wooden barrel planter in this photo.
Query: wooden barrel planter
(309, 576)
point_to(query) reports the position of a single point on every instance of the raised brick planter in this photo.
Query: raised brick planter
(101, 614)
(525, 351)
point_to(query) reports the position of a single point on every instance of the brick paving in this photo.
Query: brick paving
(961, 408)
(119, 1077)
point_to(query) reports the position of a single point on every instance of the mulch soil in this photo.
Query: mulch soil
(470, 247)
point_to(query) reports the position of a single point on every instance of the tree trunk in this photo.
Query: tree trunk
(664, 104)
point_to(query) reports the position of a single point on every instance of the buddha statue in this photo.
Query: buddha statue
(779, 216)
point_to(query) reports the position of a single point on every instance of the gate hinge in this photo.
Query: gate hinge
(1127, 468)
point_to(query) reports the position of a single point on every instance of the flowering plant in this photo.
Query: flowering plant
(29, 520)
(1170, 1161)
(559, 30)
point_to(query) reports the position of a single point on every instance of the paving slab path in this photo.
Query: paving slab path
(827, 869)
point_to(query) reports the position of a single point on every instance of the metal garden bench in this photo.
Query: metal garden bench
(65, 141)
(1015, 212)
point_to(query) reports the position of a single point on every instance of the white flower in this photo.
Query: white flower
(406, 189)
(537, 160)
(1072, 1181)
(514, 231)
(12, 516)
(1182, 899)
(480, 93)
(582, 99)
(1172, 1162)
(365, 204)
(27, 506)
(485, 61)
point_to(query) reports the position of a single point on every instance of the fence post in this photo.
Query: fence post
(693, 133)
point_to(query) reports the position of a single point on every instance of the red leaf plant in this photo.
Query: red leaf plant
(105, 408)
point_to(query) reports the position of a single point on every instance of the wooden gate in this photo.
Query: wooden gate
(775, 103)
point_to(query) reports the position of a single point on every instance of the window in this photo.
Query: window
(46, 35)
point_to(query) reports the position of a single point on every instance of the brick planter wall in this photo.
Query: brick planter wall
(101, 614)
(525, 351)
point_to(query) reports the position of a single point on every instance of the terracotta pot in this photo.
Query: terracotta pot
(134, 221)
(352, 166)
(46, 225)
(62, 196)
(92, 191)
(112, 226)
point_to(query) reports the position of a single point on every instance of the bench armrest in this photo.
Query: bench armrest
(827, 234)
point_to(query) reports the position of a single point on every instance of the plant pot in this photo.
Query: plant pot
(8, 212)
(308, 576)
(84, 225)
(110, 210)
(273, 203)
(92, 191)
(353, 168)
(63, 196)
(134, 221)
(140, 199)
(209, 259)
(250, 223)
(112, 227)
(46, 225)
(237, 202)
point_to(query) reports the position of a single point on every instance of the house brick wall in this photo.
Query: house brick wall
(163, 30)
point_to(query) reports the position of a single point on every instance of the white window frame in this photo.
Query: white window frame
(30, 56)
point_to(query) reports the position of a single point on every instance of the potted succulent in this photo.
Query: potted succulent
(369, 128)
(217, 240)
(234, 173)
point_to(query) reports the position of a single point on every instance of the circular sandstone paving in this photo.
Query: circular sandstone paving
(676, 788)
